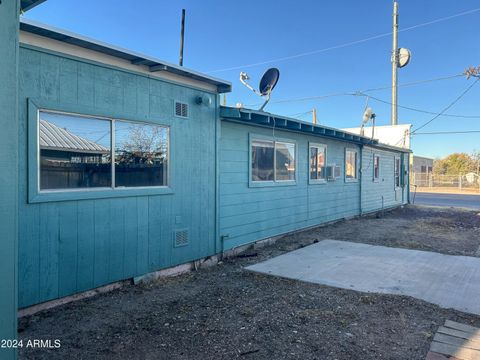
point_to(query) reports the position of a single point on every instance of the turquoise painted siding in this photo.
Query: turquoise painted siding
(8, 172)
(79, 244)
(252, 213)
(248, 214)
(381, 192)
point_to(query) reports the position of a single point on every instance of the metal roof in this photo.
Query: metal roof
(53, 137)
(26, 5)
(134, 58)
(264, 119)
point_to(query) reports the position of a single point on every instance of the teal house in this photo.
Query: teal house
(118, 165)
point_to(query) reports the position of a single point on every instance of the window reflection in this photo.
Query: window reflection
(262, 160)
(285, 161)
(141, 154)
(74, 152)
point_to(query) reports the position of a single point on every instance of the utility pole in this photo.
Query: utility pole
(394, 116)
(314, 116)
(182, 36)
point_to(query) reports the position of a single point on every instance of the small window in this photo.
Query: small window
(376, 167)
(350, 165)
(318, 160)
(262, 160)
(397, 172)
(273, 161)
(423, 169)
(76, 153)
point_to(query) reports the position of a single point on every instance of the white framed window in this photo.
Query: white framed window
(351, 167)
(397, 172)
(376, 167)
(77, 152)
(318, 163)
(272, 161)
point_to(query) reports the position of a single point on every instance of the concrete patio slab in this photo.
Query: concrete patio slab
(446, 280)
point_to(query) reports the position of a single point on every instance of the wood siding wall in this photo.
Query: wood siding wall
(9, 11)
(249, 214)
(382, 192)
(71, 246)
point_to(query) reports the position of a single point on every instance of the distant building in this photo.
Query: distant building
(421, 164)
(394, 135)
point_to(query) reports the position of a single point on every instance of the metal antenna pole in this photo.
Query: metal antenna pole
(394, 117)
(182, 36)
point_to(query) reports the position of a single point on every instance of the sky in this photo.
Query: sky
(223, 38)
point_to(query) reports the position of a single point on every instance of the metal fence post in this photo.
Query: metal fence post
(460, 182)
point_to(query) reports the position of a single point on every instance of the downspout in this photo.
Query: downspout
(218, 242)
(361, 178)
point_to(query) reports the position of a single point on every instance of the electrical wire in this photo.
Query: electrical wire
(420, 110)
(447, 132)
(448, 106)
(349, 93)
(339, 46)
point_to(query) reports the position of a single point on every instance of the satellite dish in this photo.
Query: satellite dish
(267, 83)
(367, 115)
(404, 56)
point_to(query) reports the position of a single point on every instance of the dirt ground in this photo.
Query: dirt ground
(226, 312)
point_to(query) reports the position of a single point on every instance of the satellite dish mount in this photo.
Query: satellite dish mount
(267, 83)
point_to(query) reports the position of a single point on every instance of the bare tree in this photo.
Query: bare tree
(145, 144)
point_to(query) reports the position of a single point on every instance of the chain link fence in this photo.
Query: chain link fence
(467, 183)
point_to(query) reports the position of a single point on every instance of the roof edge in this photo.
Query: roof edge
(265, 119)
(133, 57)
(26, 5)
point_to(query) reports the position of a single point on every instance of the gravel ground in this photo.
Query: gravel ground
(226, 312)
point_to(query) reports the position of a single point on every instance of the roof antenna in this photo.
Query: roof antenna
(182, 37)
(267, 83)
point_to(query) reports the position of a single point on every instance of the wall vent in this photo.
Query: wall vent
(181, 238)
(181, 109)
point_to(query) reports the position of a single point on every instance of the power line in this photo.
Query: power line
(348, 93)
(449, 105)
(423, 111)
(339, 46)
(447, 132)
(413, 83)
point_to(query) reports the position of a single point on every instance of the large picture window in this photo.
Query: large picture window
(75, 152)
(350, 165)
(272, 161)
(318, 161)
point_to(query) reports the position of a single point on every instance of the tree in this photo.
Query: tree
(454, 164)
(476, 161)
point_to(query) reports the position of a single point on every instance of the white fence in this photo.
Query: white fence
(467, 183)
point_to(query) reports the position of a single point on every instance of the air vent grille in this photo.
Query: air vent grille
(181, 238)
(181, 109)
